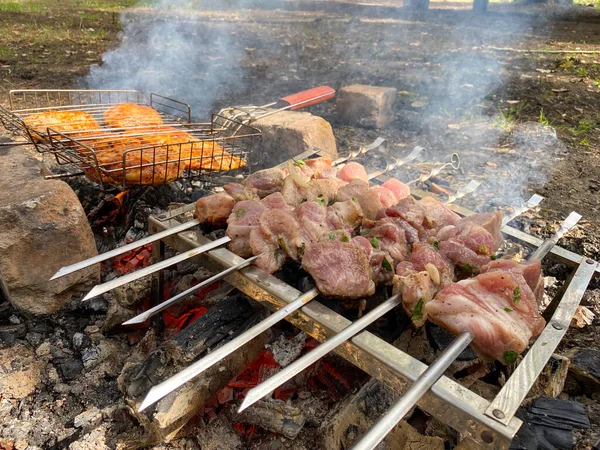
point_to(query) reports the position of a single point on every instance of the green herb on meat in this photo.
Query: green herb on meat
(516, 294)
(374, 242)
(240, 212)
(386, 265)
(510, 357)
(418, 311)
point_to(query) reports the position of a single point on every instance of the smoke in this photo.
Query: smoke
(171, 48)
(457, 94)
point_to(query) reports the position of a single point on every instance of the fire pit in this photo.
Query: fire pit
(487, 424)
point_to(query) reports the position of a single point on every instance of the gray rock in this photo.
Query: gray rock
(43, 227)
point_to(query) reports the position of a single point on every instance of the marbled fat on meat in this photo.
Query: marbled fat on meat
(498, 308)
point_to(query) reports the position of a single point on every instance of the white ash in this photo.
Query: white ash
(285, 351)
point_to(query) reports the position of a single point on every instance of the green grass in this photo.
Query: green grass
(543, 120)
(584, 126)
(22, 6)
(508, 118)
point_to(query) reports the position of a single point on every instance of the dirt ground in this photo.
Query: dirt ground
(464, 81)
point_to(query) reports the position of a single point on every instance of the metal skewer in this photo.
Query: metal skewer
(454, 162)
(117, 251)
(109, 285)
(299, 365)
(390, 419)
(397, 163)
(435, 371)
(529, 204)
(166, 387)
(141, 318)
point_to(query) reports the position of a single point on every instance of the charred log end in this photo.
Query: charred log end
(218, 326)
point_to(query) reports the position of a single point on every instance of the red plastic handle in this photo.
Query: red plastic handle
(309, 97)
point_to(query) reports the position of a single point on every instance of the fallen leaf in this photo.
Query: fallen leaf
(560, 91)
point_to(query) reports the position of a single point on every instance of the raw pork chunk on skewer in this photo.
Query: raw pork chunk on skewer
(420, 278)
(497, 307)
(340, 269)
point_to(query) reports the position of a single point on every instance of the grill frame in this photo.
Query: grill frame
(475, 418)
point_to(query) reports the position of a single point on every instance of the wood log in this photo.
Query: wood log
(216, 327)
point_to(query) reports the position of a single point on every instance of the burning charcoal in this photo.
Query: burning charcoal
(10, 333)
(81, 342)
(585, 368)
(275, 416)
(558, 413)
(71, 368)
(440, 339)
(89, 418)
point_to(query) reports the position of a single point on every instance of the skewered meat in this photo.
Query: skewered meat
(386, 235)
(437, 215)
(276, 238)
(353, 171)
(214, 209)
(240, 192)
(340, 269)
(354, 189)
(530, 270)
(323, 162)
(276, 201)
(471, 241)
(126, 115)
(72, 122)
(319, 190)
(408, 215)
(421, 278)
(243, 219)
(382, 265)
(497, 307)
(265, 181)
(399, 189)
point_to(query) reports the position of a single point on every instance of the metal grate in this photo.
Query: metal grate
(481, 423)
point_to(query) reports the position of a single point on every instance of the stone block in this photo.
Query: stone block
(289, 133)
(366, 106)
(43, 227)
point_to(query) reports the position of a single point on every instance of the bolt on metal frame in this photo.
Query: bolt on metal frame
(480, 423)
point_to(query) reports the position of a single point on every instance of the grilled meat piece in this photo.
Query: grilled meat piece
(353, 171)
(497, 307)
(214, 209)
(340, 269)
(240, 192)
(530, 270)
(321, 163)
(352, 190)
(126, 115)
(399, 189)
(437, 215)
(382, 264)
(276, 238)
(318, 190)
(265, 181)
(243, 219)
(73, 123)
(472, 240)
(420, 278)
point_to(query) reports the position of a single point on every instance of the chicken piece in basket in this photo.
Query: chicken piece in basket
(126, 115)
(197, 153)
(130, 160)
(72, 122)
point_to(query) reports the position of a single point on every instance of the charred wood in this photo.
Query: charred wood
(216, 327)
